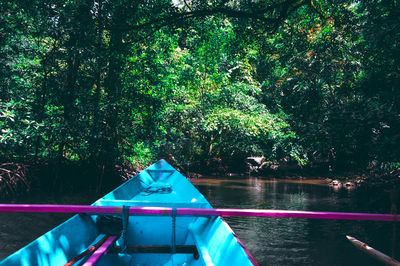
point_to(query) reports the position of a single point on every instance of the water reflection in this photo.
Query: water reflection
(289, 241)
(272, 241)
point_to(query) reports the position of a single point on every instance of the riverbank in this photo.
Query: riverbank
(21, 178)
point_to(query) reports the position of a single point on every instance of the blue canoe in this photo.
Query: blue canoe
(144, 240)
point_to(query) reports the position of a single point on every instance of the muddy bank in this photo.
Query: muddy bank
(21, 178)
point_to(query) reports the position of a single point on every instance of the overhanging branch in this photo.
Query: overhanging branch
(271, 15)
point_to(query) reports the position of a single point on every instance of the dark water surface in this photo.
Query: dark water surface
(291, 241)
(272, 241)
(19, 229)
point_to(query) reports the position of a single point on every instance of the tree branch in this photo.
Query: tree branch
(282, 8)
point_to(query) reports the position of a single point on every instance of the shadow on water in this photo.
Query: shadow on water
(19, 229)
(289, 241)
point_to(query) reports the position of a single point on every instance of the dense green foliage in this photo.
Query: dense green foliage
(107, 83)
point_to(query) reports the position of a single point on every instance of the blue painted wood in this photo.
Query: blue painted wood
(160, 185)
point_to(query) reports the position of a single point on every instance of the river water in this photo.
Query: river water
(272, 241)
(291, 241)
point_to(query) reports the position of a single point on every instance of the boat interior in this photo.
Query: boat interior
(141, 239)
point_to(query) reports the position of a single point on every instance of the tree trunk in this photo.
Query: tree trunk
(116, 52)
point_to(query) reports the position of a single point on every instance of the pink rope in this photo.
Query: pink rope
(289, 214)
(197, 212)
(58, 208)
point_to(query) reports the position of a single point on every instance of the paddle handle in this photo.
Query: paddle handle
(194, 212)
(373, 252)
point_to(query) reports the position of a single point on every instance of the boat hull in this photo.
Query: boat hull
(147, 239)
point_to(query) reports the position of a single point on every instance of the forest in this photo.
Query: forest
(90, 90)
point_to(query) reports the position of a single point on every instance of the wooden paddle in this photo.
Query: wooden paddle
(373, 252)
(89, 250)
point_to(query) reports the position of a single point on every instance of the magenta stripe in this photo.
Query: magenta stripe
(288, 214)
(99, 252)
(58, 208)
(196, 212)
